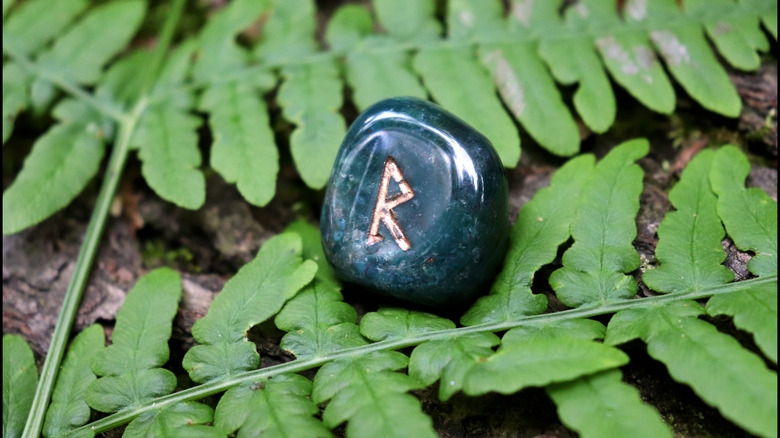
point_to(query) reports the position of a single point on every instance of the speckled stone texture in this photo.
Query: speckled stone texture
(435, 231)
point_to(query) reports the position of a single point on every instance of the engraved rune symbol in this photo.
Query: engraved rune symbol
(384, 206)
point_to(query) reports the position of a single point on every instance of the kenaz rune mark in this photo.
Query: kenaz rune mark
(384, 206)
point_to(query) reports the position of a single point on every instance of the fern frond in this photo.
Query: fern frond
(167, 140)
(459, 83)
(590, 403)
(687, 55)
(755, 311)
(254, 294)
(35, 23)
(129, 369)
(518, 71)
(390, 323)
(185, 420)
(749, 215)
(742, 388)
(539, 362)
(449, 360)
(310, 97)
(603, 229)
(68, 409)
(366, 64)
(542, 225)
(689, 239)
(576, 61)
(317, 319)
(365, 391)
(311, 92)
(244, 151)
(15, 96)
(19, 379)
(272, 408)
(602, 405)
(82, 51)
(737, 39)
(60, 165)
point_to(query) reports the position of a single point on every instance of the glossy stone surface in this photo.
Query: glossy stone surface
(416, 205)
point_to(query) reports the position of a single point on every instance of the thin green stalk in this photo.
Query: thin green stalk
(97, 222)
(77, 283)
(298, 365)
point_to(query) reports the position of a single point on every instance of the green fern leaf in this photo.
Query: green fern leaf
(737, 38)
(542, 226)
(20, 376)
(532, 96)
(348, 26)
(174, 72)
(749, 215)
(768, 14)
(310, 97)
(57, 169)
(121, 85)
(603, 229)
(754, 310)
(365, 390)
(449, 360)
(318, 322)
(523, 81)
(130, 367)
(538, 362)
(378, 76)
(34, 23)
(575, 60)
(721, 372)
(460, 84)
(254, 294)
(602, 405)
(168, 143)
(270, 408)
(80, 54)
(370, 61)
(629, 58)
(390, 323)
(311, 93)
(180, 420)
(687, 55)
(15, 96)
(575, 328)
(68, 409)
(219, 52)
(244, 151)
(288, 34)
(596, 404)
(408, 20)
(689, 247)
(317, 319)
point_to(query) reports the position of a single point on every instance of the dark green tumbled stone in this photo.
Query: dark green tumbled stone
(438, 232)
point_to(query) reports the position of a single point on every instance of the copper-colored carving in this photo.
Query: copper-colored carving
(384, 206)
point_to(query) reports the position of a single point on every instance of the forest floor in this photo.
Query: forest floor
(208, 246)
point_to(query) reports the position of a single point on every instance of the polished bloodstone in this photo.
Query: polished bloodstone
(416, 205)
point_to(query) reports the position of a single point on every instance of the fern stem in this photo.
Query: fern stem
(77, 283)
(298, 365)
(97, 222)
